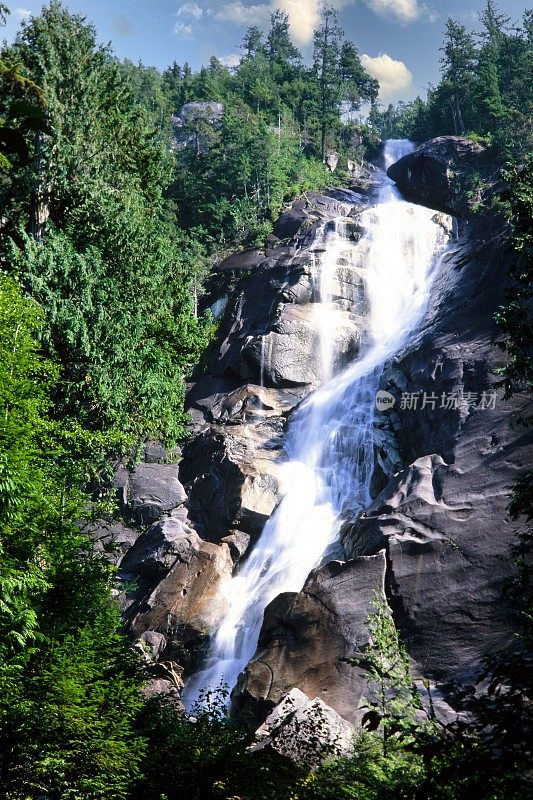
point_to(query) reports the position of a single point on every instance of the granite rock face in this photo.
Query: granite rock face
(191, 120)
(439, 528)
(265, 361)
(182, 601)
(442, 516)
(435, 542)
(440, 174)
(308, 639)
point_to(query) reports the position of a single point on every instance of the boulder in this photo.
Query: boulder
(166, 679)
(238, 543)
(187, 604)
(149, 490)
(307, 640)
(156, 550)
(229, 401)
(232, 483)
(210, 110)
(242, 260)
(113, 539)
(332, 161)
(152, 644)
(442, 174)
(290, 223)
(190, 123)
(306, 732)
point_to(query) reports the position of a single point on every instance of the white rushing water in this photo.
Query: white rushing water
(330, 447)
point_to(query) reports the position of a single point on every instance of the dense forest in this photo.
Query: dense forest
(108, 230)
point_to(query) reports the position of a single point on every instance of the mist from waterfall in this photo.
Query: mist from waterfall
(330, 442)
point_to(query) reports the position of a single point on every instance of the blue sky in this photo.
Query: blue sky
(399, 39)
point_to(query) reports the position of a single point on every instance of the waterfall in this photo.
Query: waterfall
(330, 443)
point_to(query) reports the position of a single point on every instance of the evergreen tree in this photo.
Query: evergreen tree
(487, 98)
(357, 84)
(283, 55)
(458, 62)
(68, 690)
(494, 24)
(93, 201)
(252, 43)
(327, 66)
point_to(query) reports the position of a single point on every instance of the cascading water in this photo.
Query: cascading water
(330, 444)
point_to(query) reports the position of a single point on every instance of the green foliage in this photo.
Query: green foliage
(393, 710)
(206, 757)
(387, 761)
(68, 692)
(485, 89)
(240, 183)
(515, 318)
(114, 276)
(367, 774)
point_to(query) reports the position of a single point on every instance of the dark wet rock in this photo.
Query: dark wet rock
(229, 401)
(155, 453)
(443, 514)
(114, 539)
(442, 174)
(307, 640)
(242, 260)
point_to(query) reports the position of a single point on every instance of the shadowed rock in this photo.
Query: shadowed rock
(307, 639)
(441, 174)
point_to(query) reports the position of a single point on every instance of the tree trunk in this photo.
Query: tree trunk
(324, 88)
(462, 128)
(40, 193)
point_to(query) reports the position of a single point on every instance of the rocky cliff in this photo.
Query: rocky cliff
(436, 539)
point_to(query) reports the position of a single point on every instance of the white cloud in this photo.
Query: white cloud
(237, 12)
(304, 15)
(190, 10)
(402, 10)
(180, 29)
(232, 60)
(22, 13)
(393, 76)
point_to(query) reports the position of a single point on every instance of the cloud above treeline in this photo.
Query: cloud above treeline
(304, 15)
(393, 76)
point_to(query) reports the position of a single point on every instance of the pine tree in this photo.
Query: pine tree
(327, 67)
(357, 83)
(487, 95)
(107, 264)
(283, 55)
(458, 62)
(252, 42)
(494, 24)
